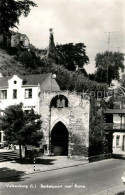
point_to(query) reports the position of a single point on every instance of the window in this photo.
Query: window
(0, 136)
(3, 94)
(27, 111)
(59, 101)
(14, 93)
(117, 140)
(28, 93)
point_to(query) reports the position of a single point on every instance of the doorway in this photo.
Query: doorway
(59, 140)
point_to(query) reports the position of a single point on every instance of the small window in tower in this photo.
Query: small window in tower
(59, 101)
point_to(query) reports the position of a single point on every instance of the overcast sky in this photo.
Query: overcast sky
(77, 21)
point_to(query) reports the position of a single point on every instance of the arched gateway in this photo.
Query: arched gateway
(59, 139)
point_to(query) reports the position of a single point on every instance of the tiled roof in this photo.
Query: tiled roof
(3, 81)
(34, 79)
(43, 79)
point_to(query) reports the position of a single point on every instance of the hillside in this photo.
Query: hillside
(9, 66)
(67, 80)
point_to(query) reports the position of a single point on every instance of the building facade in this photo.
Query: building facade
(64, 114)
(115, 125)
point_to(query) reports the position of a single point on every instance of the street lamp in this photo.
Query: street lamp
(53, 76)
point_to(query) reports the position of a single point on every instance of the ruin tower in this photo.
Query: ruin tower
(54, 55)
(52, 48)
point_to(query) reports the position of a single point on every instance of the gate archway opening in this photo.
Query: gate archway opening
(59, 101)
(59, 140)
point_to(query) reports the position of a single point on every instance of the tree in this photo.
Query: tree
(29, 59)
(97, 140)
(74, 55)
(108, 65)
(21, 128)
(10, 11)
(75, 80)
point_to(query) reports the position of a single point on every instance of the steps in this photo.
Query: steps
(8, 156)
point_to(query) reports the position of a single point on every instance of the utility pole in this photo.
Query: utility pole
(109, 33)
(109, 38)
(1, 43)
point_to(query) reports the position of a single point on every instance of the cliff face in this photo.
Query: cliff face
(9, 66)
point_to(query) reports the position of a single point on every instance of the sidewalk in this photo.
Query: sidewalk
(122, 153)
(28, 166)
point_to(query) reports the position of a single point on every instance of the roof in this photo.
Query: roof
(3, 81)
(115, 111)
(34, 79)
(44, 80)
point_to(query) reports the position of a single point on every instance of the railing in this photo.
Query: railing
(111, 126)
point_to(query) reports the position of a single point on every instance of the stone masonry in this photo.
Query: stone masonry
(75, 117)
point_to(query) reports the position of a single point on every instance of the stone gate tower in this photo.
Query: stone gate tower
(65, 117)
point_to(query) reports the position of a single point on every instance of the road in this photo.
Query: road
(79, 180)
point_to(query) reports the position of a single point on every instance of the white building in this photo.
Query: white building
(24, 89)
(115, 124)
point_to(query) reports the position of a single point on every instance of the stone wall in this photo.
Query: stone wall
(75, 117)
(19, 39)
(14, 39)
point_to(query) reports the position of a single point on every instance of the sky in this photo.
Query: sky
(77, 21)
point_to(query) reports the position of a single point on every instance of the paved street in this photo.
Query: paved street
(79, 180)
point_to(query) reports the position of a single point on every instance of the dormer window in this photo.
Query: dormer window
(14, 93)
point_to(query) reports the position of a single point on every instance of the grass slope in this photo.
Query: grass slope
(9, 66)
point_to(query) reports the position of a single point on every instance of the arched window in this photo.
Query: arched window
(59, 101)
